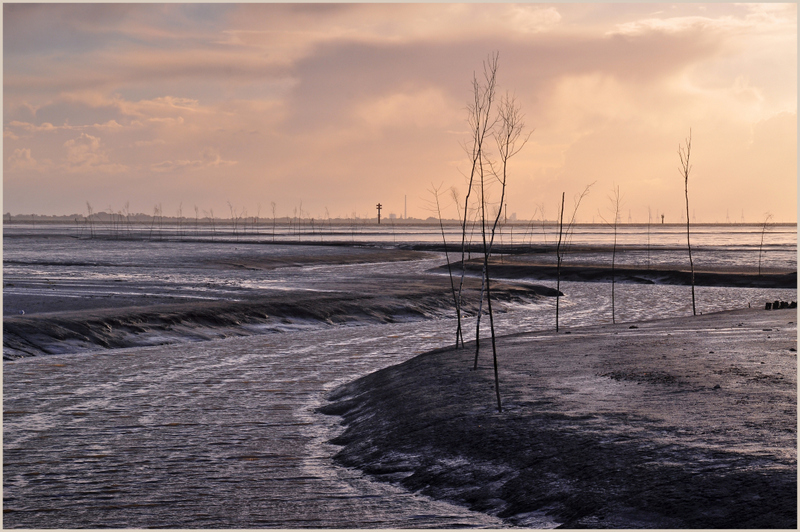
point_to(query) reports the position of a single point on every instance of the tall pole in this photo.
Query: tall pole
(379, 206)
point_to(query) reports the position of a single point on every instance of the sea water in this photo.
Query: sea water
(224, 433)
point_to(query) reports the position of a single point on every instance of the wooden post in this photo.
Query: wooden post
(379, 206)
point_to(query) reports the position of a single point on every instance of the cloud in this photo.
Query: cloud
(26, 129)
(85, 155)
(343, 103)
(209, 158)
(416, 109)
(21, 159)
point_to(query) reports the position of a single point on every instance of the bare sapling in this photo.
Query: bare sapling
(180, 221)
(160, 222)
(616, 203)
(649, 217)
(127, 211)
(684, 152)
(435, 191)
(233, 220)
(559, 257)
(767, 219)
(479, 121)
(272, 203)
(89, 219)
(509, 141)
(564, 238)
(112, 227)
(300, 221)
(459, 329)
(153, 223)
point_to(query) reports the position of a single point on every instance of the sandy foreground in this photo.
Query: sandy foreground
(681, 423)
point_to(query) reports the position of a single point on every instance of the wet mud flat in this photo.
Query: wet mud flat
(678, 423)
(526, 267)
(374, 300)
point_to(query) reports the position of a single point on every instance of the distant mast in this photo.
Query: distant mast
(405, 207)
(379, 206)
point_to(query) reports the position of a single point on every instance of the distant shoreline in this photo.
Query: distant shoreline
(102, 218)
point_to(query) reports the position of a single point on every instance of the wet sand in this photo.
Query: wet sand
(680, 423)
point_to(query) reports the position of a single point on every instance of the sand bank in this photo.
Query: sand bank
(524, 268)
(381, 299)
(680, 423)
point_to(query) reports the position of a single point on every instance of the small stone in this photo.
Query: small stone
(717, 387)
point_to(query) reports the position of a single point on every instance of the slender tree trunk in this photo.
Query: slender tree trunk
(761, 246)
(558, 258)
(613, 260)
(684, 153)
(479, 114)
(478, 318)
(494, 346)
(435, 192)
(648, 237)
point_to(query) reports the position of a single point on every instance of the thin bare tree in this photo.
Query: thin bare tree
(153, 223)
(767, 219)
(180, 221)
(479, 118)
(510, 140)
(127, 211)
(564, 239)
(649, 218)
(435, 191)
(233, 220)
(684, 152)
(89, 220)
(559, 257)
(272, 203)
(616, 205)
(544, 233)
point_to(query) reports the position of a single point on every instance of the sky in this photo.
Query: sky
(332, 108)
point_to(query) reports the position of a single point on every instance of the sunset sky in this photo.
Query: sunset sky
(342, 106)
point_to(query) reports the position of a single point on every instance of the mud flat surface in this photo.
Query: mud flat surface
(378, 299)
(525, 267)
(677, 423)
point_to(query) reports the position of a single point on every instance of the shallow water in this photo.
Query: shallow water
(221, 434)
